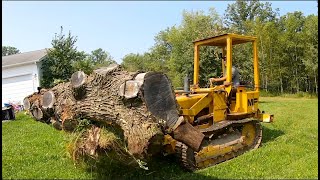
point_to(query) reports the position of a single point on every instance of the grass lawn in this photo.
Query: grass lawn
(289, 149)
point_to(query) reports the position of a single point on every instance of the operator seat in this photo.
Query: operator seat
(233, 91)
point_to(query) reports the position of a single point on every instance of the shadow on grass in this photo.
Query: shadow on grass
(159, 168)
(264, 102)
(270, 134)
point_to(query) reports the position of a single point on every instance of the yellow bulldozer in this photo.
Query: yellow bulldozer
(219, 122)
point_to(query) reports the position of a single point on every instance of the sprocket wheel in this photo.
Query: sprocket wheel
(252, 132)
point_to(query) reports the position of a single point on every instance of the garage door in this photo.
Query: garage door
(15, 89)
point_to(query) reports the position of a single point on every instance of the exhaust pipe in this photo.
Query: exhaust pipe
(186, 84)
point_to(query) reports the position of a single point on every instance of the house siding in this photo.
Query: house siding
(19, 81)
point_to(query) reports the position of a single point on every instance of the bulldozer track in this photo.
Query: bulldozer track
(181, 154)
(192, 161)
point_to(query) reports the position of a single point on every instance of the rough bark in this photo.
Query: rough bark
(141, 105)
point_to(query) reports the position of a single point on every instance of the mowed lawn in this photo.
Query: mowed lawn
(289, 149)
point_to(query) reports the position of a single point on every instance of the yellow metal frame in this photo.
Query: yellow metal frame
(245, 103)
(226, 41)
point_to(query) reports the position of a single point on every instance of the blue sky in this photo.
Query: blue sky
(119, 27)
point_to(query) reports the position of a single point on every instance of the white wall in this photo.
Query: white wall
(19, 70)
(40, 71)
(19, 81)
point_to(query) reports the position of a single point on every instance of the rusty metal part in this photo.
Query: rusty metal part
(236, 138)
(175, 126)
(223, 124)
(189, 135)
(204, 117)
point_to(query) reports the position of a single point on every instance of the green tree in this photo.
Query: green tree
(61, 57)
(292, 47)
(133, 62)
(194, 26)
(9, 50)
(97, 58)
(241, 12)
(101, 58)
(260, 20)
(172, 52)
(310, 57)
(86, 64)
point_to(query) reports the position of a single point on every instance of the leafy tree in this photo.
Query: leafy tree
(9, 50)
(194, 26)
(310, 58)
(101, 58)
(241, 12)
(86, 64)
(133, 62)
(58, 65)
(96, 59)
(292, 25)
(258, 19)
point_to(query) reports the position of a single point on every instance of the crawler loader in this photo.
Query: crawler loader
(219, 122)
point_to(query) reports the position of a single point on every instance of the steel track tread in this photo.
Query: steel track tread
(181, 153)
(189, 162)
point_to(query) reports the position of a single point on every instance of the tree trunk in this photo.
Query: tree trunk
(142, 106)
(297, 79)
(309, 87)
(266, 83)
(316, 83)
(281, 84)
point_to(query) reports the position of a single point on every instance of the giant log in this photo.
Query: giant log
(141, 105)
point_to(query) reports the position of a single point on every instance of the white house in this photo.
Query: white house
(21, 75)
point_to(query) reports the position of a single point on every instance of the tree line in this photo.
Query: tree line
(287, 49)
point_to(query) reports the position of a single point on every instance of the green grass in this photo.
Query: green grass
(32, 149)
(289, 150)
(300, 94)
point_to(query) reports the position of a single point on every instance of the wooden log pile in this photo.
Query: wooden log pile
(140, 105)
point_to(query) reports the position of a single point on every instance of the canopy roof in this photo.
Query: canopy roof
(221, 40)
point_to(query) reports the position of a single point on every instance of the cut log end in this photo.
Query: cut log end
(26, 103)
(159, 97)
(140, 78)
(78, 79)
(129, 89)
(37, 113)
(48, 99)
